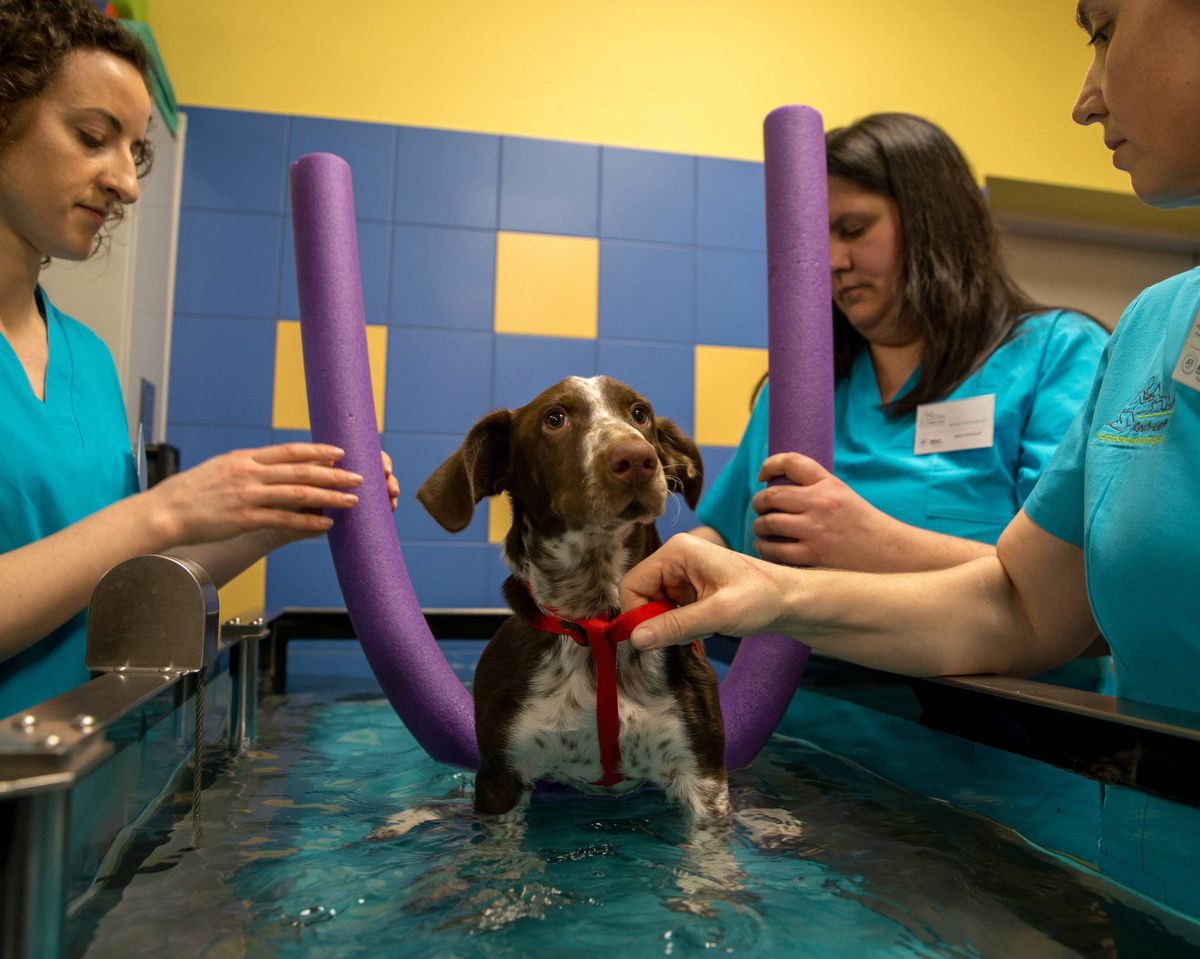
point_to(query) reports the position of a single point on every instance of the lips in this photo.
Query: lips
(99, 214)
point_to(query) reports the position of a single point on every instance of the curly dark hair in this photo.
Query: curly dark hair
(956, 292)
(35, 38)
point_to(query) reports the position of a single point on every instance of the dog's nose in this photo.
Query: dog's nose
(632, 461)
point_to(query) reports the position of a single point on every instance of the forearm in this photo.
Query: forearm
(910, 549)
(49, 581)
(225, 559)
(709, 534)
(966, 619)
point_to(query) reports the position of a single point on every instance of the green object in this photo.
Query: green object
(160, 83)
(132, 9)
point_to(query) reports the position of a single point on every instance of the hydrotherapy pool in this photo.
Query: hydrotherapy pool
(858, 834)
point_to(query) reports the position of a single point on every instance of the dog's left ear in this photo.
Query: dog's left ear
(476, 469)
(681, 461)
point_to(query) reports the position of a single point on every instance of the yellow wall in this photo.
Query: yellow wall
(688, 76)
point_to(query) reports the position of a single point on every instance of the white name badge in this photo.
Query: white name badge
(955, 425)
(1187, 369)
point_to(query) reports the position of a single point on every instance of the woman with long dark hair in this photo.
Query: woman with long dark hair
(928, 327)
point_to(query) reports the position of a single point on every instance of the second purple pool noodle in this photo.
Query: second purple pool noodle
(758, 687)
(400, 649)
(406, 659)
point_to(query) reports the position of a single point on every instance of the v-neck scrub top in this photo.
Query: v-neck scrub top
(1040, 377)
(60, 461)
(1125, 487)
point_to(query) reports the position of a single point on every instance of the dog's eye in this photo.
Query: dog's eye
(556, 419)
(641, 415)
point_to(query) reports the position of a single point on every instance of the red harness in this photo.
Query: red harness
(601, 635)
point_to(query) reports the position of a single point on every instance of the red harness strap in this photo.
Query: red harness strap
(601, 636)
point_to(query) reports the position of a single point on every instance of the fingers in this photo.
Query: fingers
(798, 468)
(785, 499)
(296, 453)
(393, 484)
(682, 625)
(310, 474)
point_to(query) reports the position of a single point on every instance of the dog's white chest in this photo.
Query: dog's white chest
(555, 736)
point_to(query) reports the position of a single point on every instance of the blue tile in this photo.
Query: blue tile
(731, 205)
(646, 292)
(291, 436)
(222, 371)
(199, 443)
(647, 196)
(302, 574)
(447, 178)
(235, 161)
(549, 187)
(374, 259)
(526, 365)
(678, 518)
(228, 263)
(369, 148)
(416, 456)
(665, 374)
(731, 298)
(443, 277)
(438, 381)
(498, 572)
(449, 575)
(715, 459)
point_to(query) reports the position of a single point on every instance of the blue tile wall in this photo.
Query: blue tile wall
(369, 148)
(647, 196)
(447, 179)
(438, 381)
(731, 204)
(526, 365)
(647, 292)
(443, 277)
(228, 263)
(548, 187)
(681, 262)
(234, 162)
(731, 298)
(222, 371)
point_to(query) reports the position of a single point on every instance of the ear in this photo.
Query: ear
(476, 469)
(681, 461)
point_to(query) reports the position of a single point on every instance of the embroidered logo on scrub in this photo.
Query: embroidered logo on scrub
(1144, 419)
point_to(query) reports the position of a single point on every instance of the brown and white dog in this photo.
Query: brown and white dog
(588, 467)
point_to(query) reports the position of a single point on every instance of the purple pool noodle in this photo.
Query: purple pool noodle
(759, 685)
(406, 659)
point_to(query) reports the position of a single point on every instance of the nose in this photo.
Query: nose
(1089, 105)
(839, 255)
(632, 461)
(120, 180)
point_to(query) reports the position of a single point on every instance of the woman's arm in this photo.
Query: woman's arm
(708, 534)
(827, 524)
(1020, 611)
(269, 492)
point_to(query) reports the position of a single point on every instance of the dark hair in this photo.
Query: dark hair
(35, 38)
(956, 293)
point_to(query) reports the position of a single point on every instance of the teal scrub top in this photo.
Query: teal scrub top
(1125, 486)
(60, 461)
(1039, 377)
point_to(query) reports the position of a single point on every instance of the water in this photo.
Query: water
(299, 859)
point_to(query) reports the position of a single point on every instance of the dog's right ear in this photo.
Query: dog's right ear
(475, 470)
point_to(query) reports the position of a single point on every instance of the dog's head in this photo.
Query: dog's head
(586, 453)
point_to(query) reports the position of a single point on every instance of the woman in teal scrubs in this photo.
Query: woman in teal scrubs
(73, 113)
(1110, 537)
(925, 314)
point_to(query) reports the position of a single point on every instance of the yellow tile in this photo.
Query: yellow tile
(246, 594)
(499, 517)
(547, 285)
(725, 381)
(289, 411)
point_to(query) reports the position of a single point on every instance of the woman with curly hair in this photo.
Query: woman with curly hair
(74, 109)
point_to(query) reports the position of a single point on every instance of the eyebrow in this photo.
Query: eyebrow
(1081, 17)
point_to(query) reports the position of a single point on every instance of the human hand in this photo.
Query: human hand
(276, 490)
(393, 484)
(825, 522)
(716, 589)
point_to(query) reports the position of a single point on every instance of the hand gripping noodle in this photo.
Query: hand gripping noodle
(402, 652)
